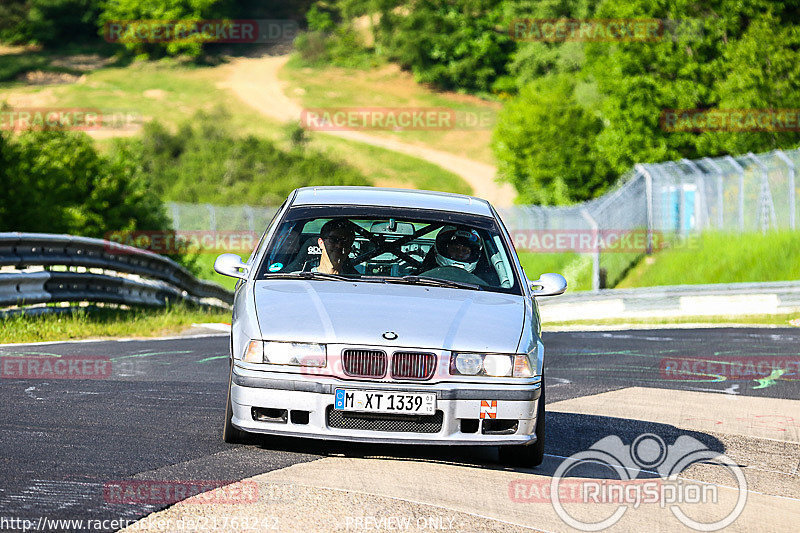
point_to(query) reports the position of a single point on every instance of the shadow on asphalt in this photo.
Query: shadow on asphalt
(567, 434)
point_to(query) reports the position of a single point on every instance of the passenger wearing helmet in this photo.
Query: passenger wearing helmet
(459, 248)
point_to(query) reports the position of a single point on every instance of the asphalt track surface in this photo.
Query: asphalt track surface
(158, 415)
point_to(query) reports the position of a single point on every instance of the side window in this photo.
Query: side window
(272, 222)
(285, 250)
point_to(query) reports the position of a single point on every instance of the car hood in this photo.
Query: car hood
(341, 312)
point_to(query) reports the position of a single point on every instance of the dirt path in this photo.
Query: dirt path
(256, 82)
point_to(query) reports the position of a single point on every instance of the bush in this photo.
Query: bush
(56, 182)
(543, 143)
(725, 54)
(331, 39)
(13, 22)
(452, 44)
(173, 10)
(204, 162)
(49, 22)
(313, 47)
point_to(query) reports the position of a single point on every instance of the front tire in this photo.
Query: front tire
(230, 433)
(532, 454)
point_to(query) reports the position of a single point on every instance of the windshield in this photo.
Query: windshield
(390, 245)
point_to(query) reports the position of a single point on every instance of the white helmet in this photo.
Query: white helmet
(458, 248)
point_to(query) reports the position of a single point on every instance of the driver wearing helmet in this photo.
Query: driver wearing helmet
(460, 248)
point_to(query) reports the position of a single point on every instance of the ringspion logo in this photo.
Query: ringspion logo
(647, 453)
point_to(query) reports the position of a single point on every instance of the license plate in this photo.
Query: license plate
(412, 403)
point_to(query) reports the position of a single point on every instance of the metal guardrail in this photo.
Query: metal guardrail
(155, 279)
(729, 299)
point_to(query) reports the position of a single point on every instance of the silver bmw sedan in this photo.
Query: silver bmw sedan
(388, 315)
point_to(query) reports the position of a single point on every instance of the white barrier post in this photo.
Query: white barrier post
(790, 166)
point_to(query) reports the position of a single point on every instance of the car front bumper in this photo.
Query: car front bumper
(512, 405)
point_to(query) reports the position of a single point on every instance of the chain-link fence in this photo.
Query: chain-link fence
(654, 207)
(662, 205)
(204, 217)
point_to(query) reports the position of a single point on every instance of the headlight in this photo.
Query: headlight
(492, 364)
(286, 353)
(468, 364)
(498, 365)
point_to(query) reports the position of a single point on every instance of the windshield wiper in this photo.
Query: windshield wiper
(426, 280)
(310, 275)
(414, 280)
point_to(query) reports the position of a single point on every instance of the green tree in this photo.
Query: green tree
(172, 10)
(56, 182)
(452, 44)
(712, 54)
(14, 27)
(55, 22)
(5, 185)
(762, 71)
(543, 144)
(204, 162)
(533, 58)
(331, 37)
(49, 22)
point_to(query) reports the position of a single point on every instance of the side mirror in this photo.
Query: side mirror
(231, 265)
(548, 285)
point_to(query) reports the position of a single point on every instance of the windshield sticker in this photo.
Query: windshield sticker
(274, 267)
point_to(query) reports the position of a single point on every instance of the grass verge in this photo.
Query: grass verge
(721, 258)
(16, 61)
(387, 168)
(389, 87)
(204, 269)
(171, 90)
(104, 322)
(702, 259)
(576, 268)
